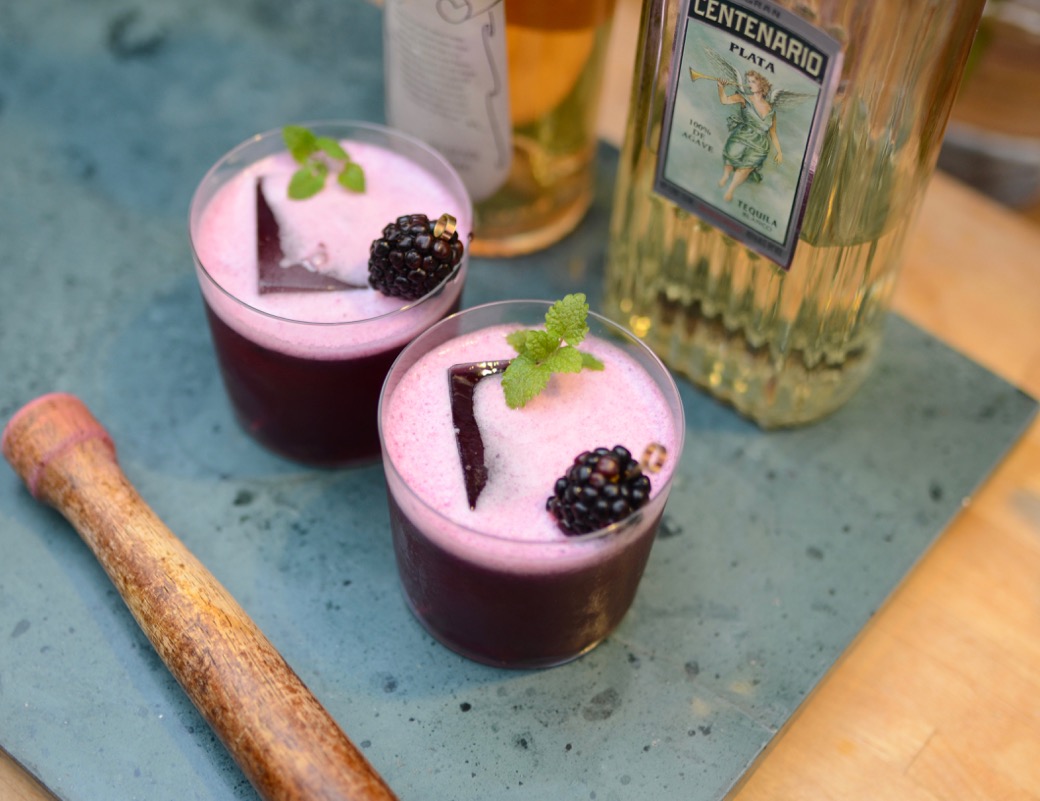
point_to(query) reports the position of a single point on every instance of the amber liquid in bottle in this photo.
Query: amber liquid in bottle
(555, 55)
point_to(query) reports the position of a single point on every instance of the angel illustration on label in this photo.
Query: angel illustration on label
(752, 128)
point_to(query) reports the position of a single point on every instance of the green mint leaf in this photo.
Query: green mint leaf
(590, 362)
(307, 181)
(540, 354)
(565, 360)
(518, 341)
(566, 319)
(300, 142)
(524, 380)
(331, 148)
(541, 345)
(318, 155)
(352, 178)
(536, 345)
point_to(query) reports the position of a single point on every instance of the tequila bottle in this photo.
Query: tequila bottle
(701, 273)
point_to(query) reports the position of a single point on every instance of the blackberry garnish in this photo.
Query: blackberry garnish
(602, 487)
(414, 255)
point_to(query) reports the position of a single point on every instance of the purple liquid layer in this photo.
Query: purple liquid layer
(516, 620)
(321, 412)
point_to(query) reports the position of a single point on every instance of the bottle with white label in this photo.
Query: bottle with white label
(775, 157)
(508, 90)
(446, 83)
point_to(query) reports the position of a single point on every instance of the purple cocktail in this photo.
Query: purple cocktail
(303, 341)
(494, 577)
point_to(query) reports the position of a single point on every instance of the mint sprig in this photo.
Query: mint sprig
(540, 353)
(317, 157)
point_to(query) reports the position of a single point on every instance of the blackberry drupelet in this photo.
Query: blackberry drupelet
(413, 257)
(602, 487)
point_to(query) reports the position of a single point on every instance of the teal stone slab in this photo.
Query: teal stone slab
(775, 551)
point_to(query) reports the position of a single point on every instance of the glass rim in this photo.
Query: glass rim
(668, 388)
(373, 127)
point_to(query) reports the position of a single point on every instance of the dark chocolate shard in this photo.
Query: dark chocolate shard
(462, 382)
(274, 274)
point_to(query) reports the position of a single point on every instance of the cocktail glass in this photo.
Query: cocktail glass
(497, 596)
(307, 385)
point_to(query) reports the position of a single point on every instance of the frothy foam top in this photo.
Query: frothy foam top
(335, 228)
(526, 449)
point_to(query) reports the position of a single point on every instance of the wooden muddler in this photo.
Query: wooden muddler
(286, 743)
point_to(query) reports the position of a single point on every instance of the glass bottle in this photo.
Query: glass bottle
(786, 344)
(508, 90)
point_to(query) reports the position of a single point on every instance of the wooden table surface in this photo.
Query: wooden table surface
(940, 696)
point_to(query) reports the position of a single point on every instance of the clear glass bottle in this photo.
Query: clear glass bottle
(787, 346)
(508, 90)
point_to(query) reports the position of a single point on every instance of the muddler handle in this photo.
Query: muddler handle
(286, 743)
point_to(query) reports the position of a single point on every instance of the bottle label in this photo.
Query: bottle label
(750, 93)
(447, 84)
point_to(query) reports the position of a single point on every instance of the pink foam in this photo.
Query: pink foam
(331, 325)
(526, 449)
